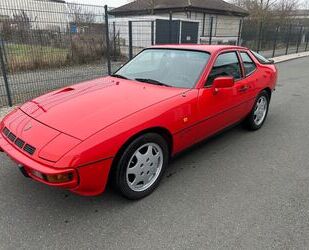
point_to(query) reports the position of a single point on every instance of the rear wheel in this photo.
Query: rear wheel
(258, 115)
(141, 166)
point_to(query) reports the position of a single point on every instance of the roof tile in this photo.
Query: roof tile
(147, 5)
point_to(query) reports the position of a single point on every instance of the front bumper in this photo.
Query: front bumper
(88, 180)
(30, 166)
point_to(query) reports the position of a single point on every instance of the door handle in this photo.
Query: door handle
(243, 88)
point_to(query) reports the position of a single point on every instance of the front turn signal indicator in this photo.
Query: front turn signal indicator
(54, 178)
(59, 178)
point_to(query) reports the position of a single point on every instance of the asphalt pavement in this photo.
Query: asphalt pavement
(239, 190)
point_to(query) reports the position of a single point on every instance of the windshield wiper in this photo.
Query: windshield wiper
(120, 76)
(151, 81)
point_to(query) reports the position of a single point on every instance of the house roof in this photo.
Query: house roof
(146, 6)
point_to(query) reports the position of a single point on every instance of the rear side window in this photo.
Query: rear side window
(249, 65)
(261, 58)
(227, 64)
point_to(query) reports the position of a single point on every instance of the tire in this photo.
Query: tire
(141, 166)
(253, 122)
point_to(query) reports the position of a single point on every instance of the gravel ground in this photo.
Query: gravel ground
(4, 111)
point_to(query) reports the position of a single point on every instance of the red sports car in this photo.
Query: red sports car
(125, 127)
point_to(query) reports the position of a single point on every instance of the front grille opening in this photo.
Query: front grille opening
(12, 137)
(29, 149)
(19, 143)
(6, 132)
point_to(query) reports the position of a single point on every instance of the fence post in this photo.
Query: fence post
(307, 41)
(299, 39)
(288, 40)
(115, 45)
(152, 32)
(211, 28)
(5, 77)
(204, 21)
(260, 36)
(4, 51)
(71, 43)
(109, 68)
(170, 30)
(275, 41)
(130, 41)
(239, 32)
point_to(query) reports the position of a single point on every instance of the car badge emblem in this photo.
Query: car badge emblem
(28, 127)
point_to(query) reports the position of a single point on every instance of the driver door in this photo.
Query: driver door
(222, 108)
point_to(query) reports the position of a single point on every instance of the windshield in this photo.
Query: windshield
(168, 67)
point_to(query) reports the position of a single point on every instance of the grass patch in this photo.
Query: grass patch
(23, 57)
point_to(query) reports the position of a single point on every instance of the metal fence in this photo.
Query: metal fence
(274, 38)
(46, 45)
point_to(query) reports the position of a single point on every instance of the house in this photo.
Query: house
(51, 15)
(40, 14)
(215, 18)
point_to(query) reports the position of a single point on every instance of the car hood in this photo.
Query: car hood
(84, 109)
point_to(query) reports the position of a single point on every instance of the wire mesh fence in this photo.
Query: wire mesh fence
(45, 45)
(274, 38)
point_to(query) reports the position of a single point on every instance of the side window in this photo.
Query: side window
(227, 64)
(249, 65)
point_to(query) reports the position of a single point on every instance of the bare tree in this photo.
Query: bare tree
(305, 4)
(151, 4)
(285, 8)
(80, 15)
(263, 9)
(22, 21)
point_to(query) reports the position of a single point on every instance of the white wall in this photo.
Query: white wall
(225, 28)
(141, 30)
(42, 14)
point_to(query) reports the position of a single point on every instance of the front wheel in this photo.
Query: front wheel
(141, 166)
(257, 117)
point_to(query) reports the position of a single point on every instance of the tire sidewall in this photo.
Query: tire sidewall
(121, 178)
(251, 123)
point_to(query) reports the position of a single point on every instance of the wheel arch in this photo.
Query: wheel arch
(268, 90)
(165, 133)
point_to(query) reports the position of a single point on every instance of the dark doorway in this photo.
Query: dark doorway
(163, 31)
(189, 32)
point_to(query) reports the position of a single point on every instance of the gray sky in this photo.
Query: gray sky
(111, 3)
(116, 3)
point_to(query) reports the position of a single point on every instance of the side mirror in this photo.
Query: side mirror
(223, 82)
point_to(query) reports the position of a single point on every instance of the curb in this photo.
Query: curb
(280, 59)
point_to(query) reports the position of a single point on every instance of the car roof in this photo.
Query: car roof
(200, 47)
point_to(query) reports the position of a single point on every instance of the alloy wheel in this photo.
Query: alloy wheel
(144, 167)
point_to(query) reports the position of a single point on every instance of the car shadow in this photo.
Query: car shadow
(33, 195)
(111, 196)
